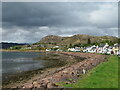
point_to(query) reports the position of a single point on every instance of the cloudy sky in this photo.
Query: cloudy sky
(27, 22)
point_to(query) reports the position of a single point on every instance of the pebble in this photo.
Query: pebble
(28, 86)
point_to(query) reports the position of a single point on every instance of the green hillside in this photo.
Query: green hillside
(76, 39)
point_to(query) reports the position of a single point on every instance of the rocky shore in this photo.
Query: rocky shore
(68, 73)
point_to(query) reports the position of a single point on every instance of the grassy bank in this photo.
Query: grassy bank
(104, 75)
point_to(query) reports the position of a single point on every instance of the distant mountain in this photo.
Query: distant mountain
(5, 45)
(76, 39)
(64, 42)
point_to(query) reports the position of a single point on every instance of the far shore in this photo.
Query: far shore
(6, 50)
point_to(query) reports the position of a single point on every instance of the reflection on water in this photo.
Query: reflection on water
(17, 62)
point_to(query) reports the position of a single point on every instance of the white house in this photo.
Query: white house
(116, 48)
(109, 50)
(100, 50)
(76, 49)
(56, 47)
(87, 49)
(47, 50)
(71, 49)
(103, 49)
(91, 49)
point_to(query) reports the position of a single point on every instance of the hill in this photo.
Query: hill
(5, 45)
(52, 40)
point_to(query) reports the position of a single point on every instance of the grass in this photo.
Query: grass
(104, 75)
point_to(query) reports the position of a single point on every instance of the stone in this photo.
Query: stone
(84, 71)
(71, 71)
(49, 85)
(28, 86)
(36, 84)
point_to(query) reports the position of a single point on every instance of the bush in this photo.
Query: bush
(16, 47)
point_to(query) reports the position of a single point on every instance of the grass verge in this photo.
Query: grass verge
(105, 75)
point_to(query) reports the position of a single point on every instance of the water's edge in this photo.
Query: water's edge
(63, 60)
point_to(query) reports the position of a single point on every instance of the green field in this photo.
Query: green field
(104, 75)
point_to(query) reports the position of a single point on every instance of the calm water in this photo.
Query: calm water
(17, 62)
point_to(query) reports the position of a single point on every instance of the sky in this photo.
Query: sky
(28, 22)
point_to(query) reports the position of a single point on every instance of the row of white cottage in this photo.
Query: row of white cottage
(105, 49)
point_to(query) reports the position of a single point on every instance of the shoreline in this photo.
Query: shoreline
(59, 73)
(23, 77)
(4, 50)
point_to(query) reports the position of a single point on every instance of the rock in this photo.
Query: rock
(67, 83)
(14, 87)
(54, 85)
(49, 85)
(63, 74)
(36, 84)
(84, 71)
(28, 86)
(72, 73)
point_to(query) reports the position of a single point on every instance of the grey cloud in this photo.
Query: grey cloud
(29, 22)
(52, 14)
(35, 34)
